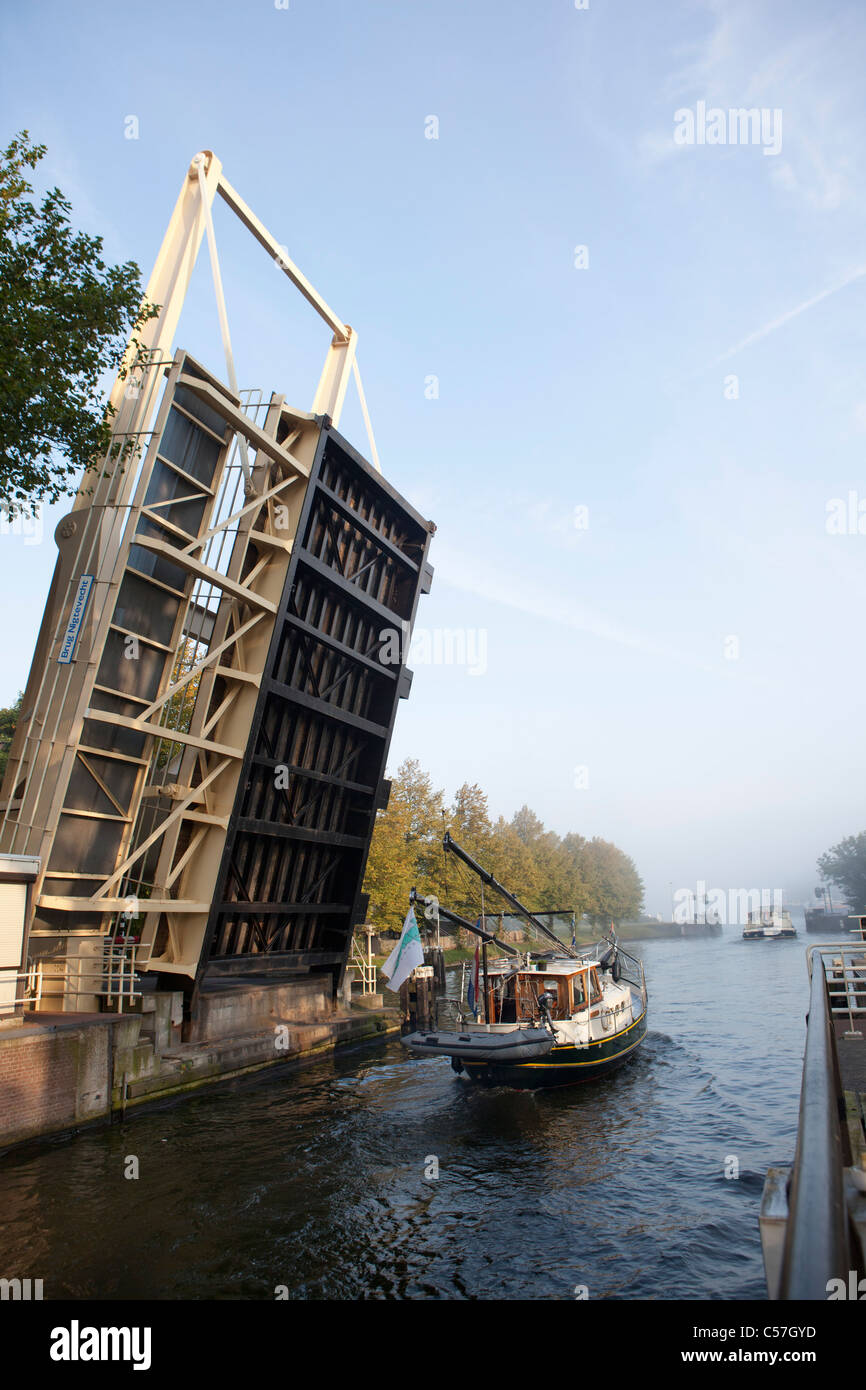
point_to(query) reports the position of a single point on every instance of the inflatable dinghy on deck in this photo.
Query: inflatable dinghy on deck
(482, 1044)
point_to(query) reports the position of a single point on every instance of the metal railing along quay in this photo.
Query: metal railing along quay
(810, 1204)
(11, 997)
(113, 976)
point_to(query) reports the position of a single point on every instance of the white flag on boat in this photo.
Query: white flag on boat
(406, 955)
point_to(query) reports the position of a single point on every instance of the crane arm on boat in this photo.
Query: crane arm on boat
(451, 845)
(459, 921)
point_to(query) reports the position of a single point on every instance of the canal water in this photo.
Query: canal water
(321, 1181)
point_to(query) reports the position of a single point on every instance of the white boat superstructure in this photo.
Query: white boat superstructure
(769, 924)
(583, 1001)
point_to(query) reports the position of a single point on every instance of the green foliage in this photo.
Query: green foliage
(177, 712)
(64, 320)
(8, 723)
(404, 849)
(845, 866)
(592, 877)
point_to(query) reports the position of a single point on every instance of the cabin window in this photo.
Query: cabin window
(594, 988)
(528, 989)
(578, 990)
(559, 989)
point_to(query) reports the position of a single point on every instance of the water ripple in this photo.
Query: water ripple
(318, 1181)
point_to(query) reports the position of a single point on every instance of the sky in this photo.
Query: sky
(613, 342)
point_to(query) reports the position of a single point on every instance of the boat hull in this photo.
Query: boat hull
(564, 1065)
(781, 935)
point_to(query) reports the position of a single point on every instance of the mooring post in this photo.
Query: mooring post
(405, 1005)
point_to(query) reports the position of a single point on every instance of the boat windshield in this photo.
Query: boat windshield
(515, 996)
(529, 986)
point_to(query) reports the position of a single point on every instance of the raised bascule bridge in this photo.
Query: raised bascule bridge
(204, 732)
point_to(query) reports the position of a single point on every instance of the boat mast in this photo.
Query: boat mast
(452, 845)
(484, 962)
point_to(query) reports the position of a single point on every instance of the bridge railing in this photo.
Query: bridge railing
(11, 997)
(364, 964)
(845, 969)
(112, 975)
(816, 1247)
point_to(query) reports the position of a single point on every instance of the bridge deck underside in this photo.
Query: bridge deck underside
(288, 893)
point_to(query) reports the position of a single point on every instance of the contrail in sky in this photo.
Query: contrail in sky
(488, 585)
(771, 327)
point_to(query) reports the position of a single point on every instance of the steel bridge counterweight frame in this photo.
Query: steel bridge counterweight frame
(221, 584)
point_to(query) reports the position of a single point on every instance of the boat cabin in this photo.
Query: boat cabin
(513, 996)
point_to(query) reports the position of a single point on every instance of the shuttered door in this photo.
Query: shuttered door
(13, 901)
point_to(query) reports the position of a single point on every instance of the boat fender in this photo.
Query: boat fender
(616, 969)
(456, 1065)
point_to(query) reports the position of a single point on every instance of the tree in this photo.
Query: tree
(468, 821)
(404, 849)
(575, 892)
(8, 724)
(65, 317)
(178, 710)
(615, 887)
(532, 854)
(845, 865)
(542, 870)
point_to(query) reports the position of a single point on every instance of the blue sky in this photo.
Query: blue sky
(607, 388)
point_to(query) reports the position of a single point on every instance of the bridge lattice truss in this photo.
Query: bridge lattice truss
(211, 759)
